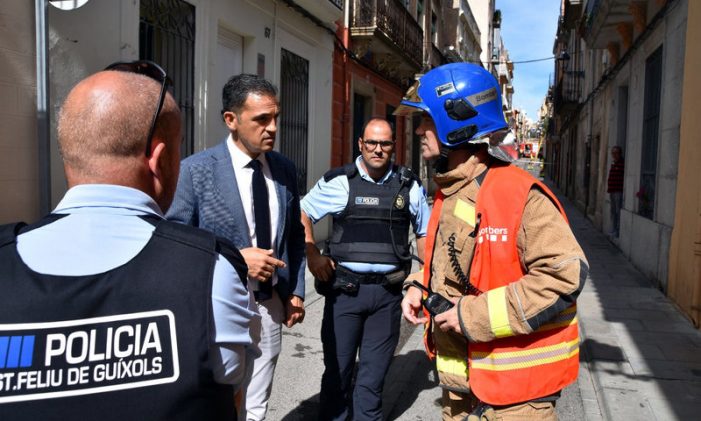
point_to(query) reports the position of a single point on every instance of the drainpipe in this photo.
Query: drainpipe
(346, 84)
(43, 121)
(590, 136)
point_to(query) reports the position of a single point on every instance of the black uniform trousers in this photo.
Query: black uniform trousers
(366, 324)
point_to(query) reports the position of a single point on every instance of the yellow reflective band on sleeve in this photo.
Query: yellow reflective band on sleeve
(465, 211)
(451, 365)
(501, 361)
(498, 316)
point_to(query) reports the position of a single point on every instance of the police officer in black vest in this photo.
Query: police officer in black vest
(107, 311)
(373, 204)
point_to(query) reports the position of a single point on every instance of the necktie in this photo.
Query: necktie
(261, 214)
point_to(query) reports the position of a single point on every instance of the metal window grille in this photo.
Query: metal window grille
(167, 36)
(651, 125)
(294, 116)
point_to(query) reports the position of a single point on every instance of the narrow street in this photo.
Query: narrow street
(266, 103)
(640, 358)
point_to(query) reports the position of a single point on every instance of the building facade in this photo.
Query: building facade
(619, 81)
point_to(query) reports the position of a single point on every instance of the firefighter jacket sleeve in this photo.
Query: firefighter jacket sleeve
(555, 271)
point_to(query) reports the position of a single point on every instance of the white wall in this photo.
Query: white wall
(81, 42)
(103, 31)
(646, 242)
(19, 172)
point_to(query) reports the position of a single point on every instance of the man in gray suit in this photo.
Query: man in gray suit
(245, 192)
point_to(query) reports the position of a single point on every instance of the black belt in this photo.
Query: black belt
(391, 278)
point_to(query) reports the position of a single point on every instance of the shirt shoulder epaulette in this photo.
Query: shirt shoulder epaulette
(349, 170)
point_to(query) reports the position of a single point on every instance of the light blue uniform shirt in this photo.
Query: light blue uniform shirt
(101, 233)
(331, 198)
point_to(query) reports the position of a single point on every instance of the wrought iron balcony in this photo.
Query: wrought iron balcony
(386, 29)
(568, 92)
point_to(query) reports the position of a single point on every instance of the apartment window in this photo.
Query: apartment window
(651, 126)
(434, 28)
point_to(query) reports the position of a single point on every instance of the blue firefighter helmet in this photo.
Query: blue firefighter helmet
(464, 101)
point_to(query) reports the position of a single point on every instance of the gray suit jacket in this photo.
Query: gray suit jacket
(208, 197)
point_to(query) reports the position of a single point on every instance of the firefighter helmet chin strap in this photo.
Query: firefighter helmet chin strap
(440, 165)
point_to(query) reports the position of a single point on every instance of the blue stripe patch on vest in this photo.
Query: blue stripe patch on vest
(85, 356)
(16, 351)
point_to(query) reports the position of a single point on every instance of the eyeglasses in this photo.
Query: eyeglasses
(385, 145)
(155, 72)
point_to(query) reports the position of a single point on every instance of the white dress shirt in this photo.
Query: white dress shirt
(244, 180)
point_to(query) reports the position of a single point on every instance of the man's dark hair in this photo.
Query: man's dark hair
(237, 89)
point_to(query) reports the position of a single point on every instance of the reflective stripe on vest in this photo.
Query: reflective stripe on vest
(501, 361)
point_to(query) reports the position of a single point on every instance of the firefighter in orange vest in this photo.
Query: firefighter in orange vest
(499, 248)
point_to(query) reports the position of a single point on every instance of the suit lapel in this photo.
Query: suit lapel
(277, 172)
(225, 182)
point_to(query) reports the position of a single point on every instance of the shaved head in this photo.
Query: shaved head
(105, 120)
(376, 121)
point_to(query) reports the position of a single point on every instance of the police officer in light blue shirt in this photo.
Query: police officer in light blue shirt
(108, 311)
(373, 205)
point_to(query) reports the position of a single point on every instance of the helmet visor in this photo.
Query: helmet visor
(412, 102)
(407, 108)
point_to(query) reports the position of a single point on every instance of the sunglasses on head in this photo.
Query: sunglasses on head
(155, 72)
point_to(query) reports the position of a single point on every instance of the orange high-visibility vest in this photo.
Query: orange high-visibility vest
(512, 369)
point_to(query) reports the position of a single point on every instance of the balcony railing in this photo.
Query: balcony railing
(393, 21)
(568, 93)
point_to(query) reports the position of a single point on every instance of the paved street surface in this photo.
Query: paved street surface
(640, 358)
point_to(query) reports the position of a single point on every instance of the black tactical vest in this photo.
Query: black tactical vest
(361, 233)
(128, 344)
